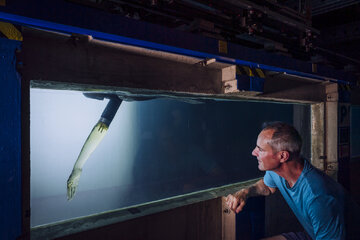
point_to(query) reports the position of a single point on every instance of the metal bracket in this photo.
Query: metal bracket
(206, 62)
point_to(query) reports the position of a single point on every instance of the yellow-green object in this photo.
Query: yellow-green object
(93, 140)
(10, 31)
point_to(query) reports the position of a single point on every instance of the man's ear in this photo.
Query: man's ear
(284, 156)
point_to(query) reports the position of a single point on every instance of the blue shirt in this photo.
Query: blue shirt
(316, 200)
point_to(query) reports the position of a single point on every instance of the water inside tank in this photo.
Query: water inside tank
(153, 149)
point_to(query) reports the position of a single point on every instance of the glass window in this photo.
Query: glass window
(153, 149)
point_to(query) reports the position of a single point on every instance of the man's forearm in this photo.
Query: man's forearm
(257, 189)
(237, 201)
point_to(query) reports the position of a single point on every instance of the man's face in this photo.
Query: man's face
(267, 158)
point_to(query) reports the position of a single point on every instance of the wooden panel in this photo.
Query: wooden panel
(25, 157)
(229, 223)
(311, 91)
(83, 60)
(204, 220)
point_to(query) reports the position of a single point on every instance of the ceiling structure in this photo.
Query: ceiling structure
(320, 31)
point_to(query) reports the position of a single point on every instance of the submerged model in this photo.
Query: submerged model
(93, 140)
(101, 127)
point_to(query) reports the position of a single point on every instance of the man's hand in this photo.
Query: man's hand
(237, 201)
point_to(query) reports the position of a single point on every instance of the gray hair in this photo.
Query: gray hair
(284, 138)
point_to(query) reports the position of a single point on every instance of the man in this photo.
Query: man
(316, 200)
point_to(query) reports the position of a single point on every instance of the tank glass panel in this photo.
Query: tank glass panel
(153, 149)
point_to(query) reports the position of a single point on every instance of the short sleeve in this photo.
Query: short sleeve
(269, 181)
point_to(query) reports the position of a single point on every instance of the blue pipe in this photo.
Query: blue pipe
(109, 112)
(111, 108)
(31, 22)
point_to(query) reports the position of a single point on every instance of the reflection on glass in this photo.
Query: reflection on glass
(153, 149)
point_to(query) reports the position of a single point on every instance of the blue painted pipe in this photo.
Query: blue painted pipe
(111, 108)
(109, 112)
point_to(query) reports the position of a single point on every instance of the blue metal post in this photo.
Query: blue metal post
(10, 142)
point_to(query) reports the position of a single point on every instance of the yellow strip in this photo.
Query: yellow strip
(223, 47)
(10, 31)
(249, 71)
(345, 87)
(260, 72)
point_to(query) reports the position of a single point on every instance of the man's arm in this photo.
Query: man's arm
(237, 201)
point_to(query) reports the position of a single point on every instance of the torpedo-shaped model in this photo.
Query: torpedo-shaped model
(93, 140)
